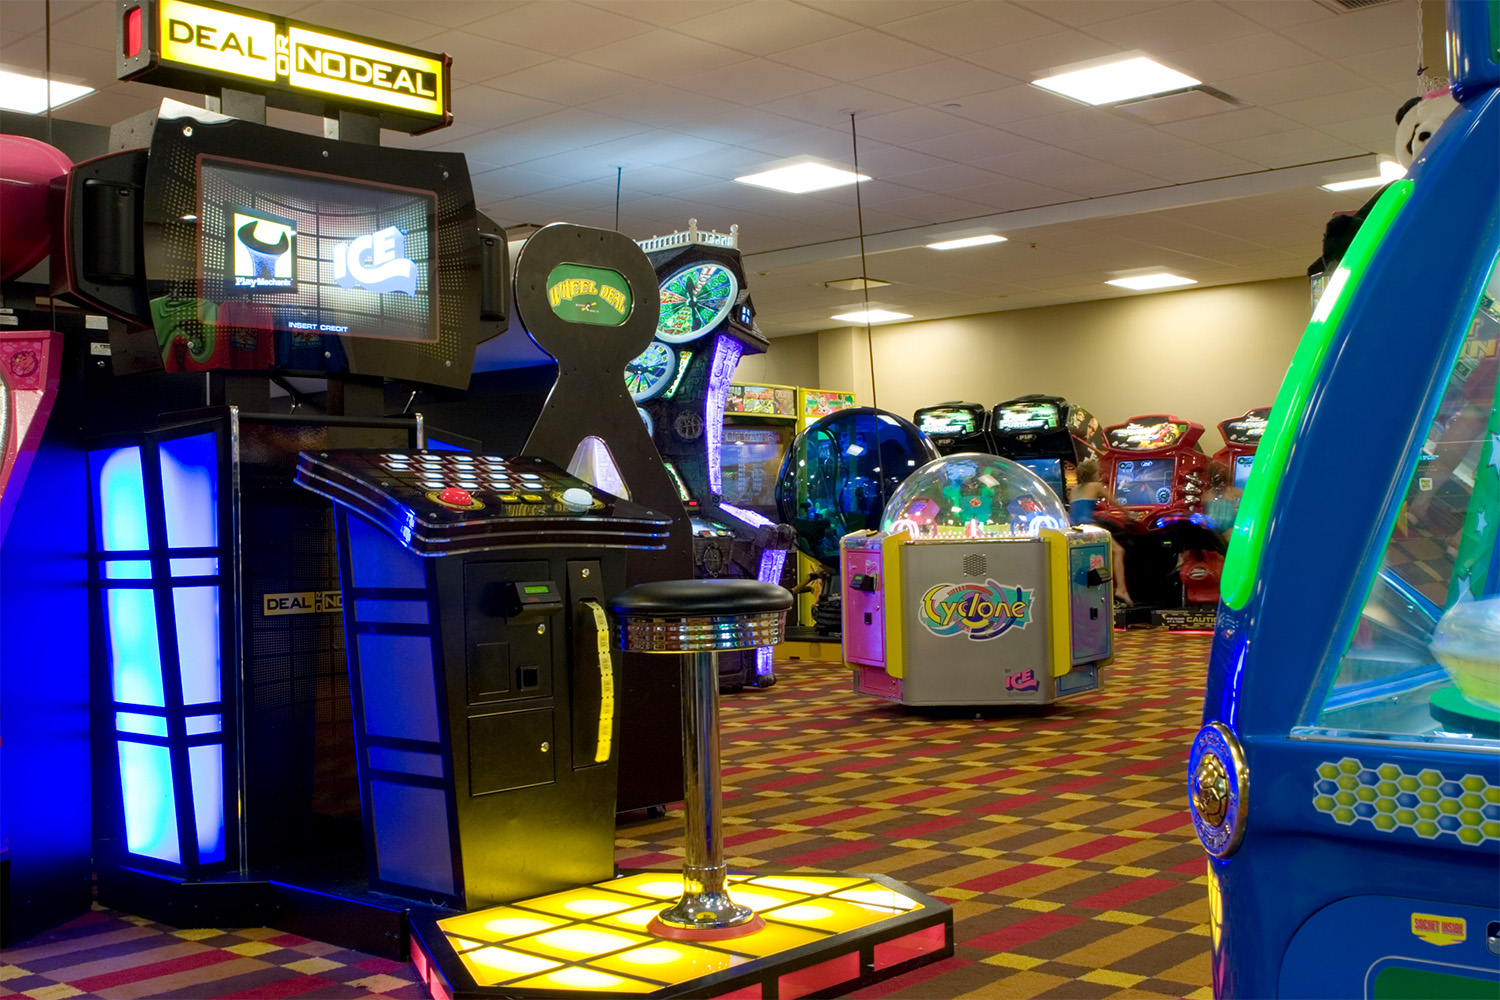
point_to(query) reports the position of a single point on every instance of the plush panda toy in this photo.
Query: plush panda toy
(1417, 122)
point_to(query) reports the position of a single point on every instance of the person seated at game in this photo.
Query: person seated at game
(1086, 497)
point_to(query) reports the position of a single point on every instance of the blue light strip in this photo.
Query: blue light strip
(150, 807)
(726, 358)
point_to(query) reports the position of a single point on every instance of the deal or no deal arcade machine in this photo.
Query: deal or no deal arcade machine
(1346, 782)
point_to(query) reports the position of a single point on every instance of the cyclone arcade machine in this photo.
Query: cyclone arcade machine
(1346, 781)
(680, 383)
(1049, 436)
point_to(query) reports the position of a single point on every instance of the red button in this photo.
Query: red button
(455, 497)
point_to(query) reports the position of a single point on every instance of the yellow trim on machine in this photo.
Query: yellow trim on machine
(891, 593)
(1060, 614)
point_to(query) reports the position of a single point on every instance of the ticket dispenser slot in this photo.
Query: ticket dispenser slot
(593, 709)
(509, 630)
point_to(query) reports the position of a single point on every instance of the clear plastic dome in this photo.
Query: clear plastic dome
(973, 496)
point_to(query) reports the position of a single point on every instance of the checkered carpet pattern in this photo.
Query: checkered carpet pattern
(1061, 838)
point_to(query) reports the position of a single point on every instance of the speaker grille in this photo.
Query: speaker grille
(976, 565)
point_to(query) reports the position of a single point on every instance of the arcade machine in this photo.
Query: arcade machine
(1156, 473)
(956, 427)
(759, 424)
(1049, 436)
(680, 384)
(837, 478)
(976, 591)
(1229, 470)
(812, 576)
(1345, 783)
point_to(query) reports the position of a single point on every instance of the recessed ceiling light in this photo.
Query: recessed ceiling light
(1390, 170)
(1119, 80)
(871, 316)
(800, 178)
(967, 241)
(1146, 282)
(855, 284)
(19, 92)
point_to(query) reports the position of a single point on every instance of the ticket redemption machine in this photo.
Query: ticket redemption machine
(976, 591)
(955, 427)
(1346, 781)
(681, 384)
(1049, 436)
(1156, 473)
(813, 577)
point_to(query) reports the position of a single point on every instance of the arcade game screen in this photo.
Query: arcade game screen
(1049, 470)
(945, 423)
(1242, 465)
(751, 459)
(1026, 417)
(312, 254)
(1144, 482)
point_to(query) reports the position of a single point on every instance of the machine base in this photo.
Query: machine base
(341, 912)
(825, 934)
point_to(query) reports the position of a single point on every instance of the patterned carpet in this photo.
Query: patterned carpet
(1061, 838)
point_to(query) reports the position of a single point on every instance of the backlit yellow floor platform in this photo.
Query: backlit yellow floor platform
(824, 934)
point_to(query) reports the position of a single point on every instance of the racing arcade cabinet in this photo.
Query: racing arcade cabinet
(956, 427)
(1049, 436)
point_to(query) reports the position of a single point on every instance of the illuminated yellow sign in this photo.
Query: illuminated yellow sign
(312, 66)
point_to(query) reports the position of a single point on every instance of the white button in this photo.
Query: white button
(577, 498)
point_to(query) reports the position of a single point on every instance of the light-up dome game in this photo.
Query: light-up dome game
(1347, 756)
(973, 496)
(840, 473)
(976, 591)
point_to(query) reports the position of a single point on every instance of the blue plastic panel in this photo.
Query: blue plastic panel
(150, 811)
(412, 841)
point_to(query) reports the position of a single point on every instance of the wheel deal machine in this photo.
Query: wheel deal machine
(976, 591)
(1346, 779)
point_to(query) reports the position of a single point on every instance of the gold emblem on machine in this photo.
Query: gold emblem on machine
(1211, 789)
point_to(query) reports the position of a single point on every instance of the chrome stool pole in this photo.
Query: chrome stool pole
(698, 618)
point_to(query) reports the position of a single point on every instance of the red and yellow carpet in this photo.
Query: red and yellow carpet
(1061, 838)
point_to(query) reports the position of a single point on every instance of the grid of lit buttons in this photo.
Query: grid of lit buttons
(593, 939)
(434, 471)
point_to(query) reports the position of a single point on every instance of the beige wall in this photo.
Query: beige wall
(1202, 354)
(790, 361)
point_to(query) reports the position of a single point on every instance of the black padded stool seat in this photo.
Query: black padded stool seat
(677, 598)
(698, 616)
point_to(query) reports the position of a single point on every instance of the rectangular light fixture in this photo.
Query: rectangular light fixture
(871, 316)
(1390, 170)
(19, 92)
(1147, 282)
(967, 241)
(1118, 80)
(801, 178)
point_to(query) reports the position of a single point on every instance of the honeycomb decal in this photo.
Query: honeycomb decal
(1427, 803)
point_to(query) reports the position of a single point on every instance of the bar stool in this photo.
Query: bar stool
(699, 618)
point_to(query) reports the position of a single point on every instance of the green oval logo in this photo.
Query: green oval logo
(582, 294)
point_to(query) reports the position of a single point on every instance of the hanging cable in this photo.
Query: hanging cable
(864, 274)
(619, 174)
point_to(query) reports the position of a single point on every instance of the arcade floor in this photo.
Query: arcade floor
(1062, 840)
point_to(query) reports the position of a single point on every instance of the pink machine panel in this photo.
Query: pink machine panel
(30, 362)
(864, 608)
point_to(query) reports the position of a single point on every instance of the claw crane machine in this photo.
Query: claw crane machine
(1346, 781)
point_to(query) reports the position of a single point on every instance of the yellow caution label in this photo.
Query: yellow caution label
(1439, 930)
(606, 683)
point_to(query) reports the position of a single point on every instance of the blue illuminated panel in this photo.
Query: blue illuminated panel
(173, 795)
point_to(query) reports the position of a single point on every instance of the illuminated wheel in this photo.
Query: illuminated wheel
(651, 371)
(694, 301)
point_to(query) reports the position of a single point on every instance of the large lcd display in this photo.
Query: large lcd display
(752, 461)
(947, 423)
(1242, 464)
(307, 254)
(1049, 470)
(1144, 482)
(1026, 417)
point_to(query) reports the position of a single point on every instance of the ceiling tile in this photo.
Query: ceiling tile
(900, 128)
(968, 27)
(568, 82)
(1369, 30)
(558, 27)
(1013, 104)
(1331, 108)
(765, 26)
(1070, 126)
(1285, 149)
(1188, 165)
(936, 82)
(975, 144)
(479, 105)
(373, 22)
(1293, 83)
(1009, 195)
(477, 58)
(856, 56)
(831, 105)
(753, 82)
(873, 12)
(1136, 142)
(1227, 58)
(661, 12)
(663, 56)
(1282, 15)
(1036, 57)
(1085, 12)
(1393, 67)
(945, 178)
(1175, 26)
(1244, 123)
